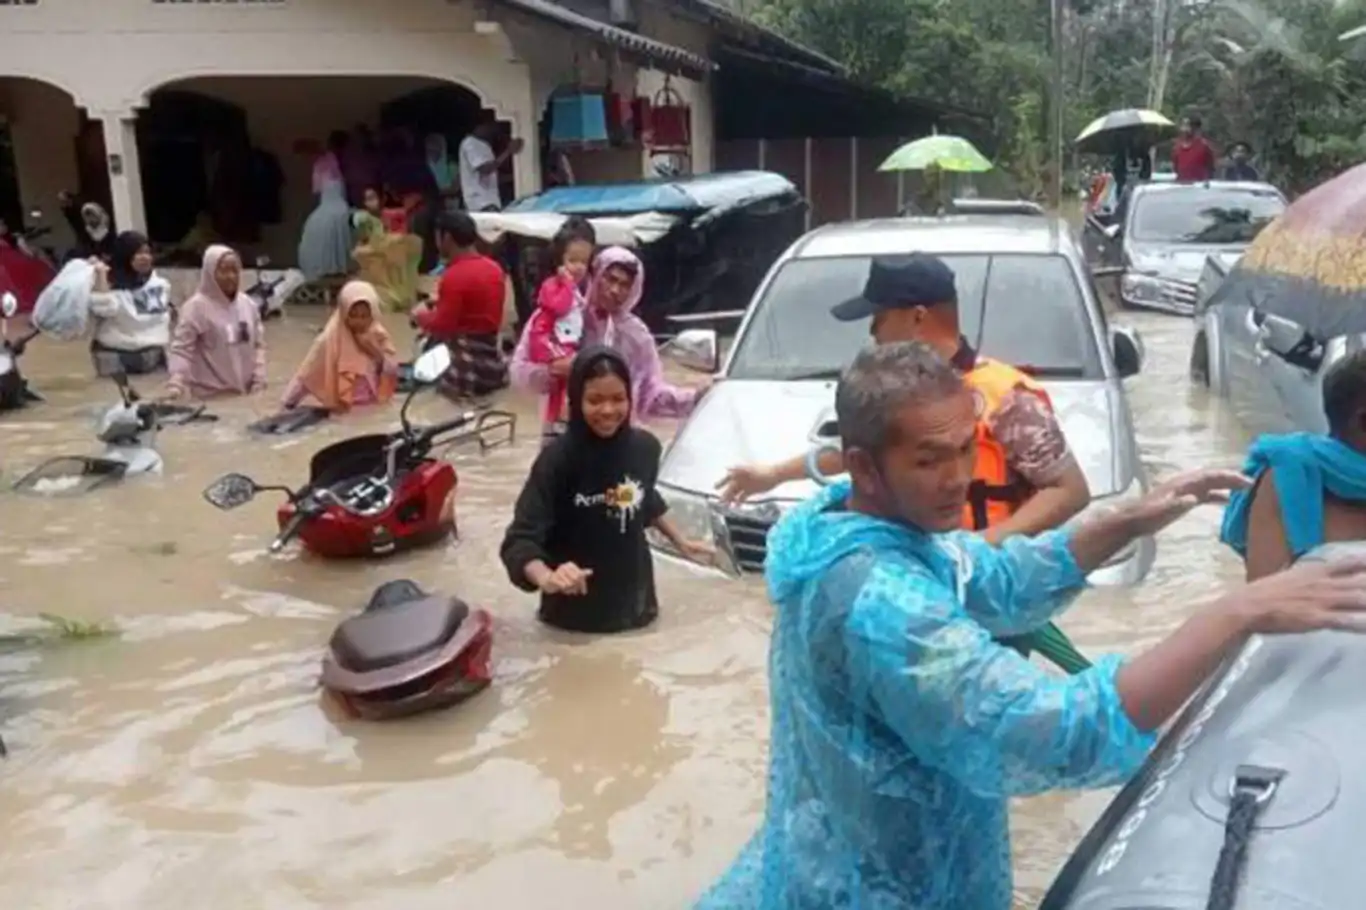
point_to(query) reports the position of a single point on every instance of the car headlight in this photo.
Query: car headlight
(690, 513)
(1142, 288)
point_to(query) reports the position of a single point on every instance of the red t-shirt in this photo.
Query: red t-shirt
(469, 299)
(1193, 159)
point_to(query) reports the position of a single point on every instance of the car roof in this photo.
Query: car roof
(1248, 186)
(944, 234)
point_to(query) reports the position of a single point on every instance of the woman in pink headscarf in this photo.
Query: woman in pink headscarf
(218, 346)
(614, 290)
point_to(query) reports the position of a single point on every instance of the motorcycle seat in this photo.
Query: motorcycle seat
(399, 633)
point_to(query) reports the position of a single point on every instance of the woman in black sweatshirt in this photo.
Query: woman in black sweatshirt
(578, 532)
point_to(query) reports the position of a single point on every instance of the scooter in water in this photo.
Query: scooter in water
(406, 653)
(14, 389)
(128, 431)
(263, 291)
(378, 494)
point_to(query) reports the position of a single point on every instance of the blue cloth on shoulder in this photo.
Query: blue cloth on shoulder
(1307, 465)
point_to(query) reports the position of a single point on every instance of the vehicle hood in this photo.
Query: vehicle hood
(1180, 261)
(755, 421)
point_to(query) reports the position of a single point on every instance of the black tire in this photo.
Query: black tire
(1199, 367)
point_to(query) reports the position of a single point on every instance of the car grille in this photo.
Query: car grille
(1181, 293)
(748, 540)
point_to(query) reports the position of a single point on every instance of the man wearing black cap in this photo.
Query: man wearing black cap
(1026, 479)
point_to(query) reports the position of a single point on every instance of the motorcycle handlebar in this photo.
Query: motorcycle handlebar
(427, 434)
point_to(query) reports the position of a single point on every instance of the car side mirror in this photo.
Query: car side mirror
(1128, 351)
(1280, 335)
(231, 491)
(432, 365)
(695, 349)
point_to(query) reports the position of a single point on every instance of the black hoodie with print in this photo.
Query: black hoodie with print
(588, 500)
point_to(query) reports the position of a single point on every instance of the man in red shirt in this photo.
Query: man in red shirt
(468, 311)
(1192, 156)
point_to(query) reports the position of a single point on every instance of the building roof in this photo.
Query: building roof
(716, 13)
(656, 54)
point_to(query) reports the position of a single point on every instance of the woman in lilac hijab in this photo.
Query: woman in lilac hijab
(615, 287)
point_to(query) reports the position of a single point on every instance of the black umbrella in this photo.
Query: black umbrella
(1130, 128)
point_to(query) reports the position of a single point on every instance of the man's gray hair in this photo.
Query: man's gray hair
(881, 381)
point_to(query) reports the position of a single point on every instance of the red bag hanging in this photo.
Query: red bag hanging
(670, 120)
(621, 128)
(641, 116)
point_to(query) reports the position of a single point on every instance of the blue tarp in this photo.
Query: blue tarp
(692, 194)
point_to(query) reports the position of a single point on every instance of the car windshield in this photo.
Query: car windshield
(1025, 310)
(1204, 214)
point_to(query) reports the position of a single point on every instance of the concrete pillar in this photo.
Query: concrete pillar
(526, 166)
(125, 174)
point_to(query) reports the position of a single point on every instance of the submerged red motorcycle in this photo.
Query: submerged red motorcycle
(377, 494)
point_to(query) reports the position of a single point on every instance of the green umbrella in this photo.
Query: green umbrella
(948, 153)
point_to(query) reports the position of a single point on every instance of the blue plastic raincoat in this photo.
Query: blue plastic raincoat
(900, 728)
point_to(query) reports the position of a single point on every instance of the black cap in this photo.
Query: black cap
(900, 282)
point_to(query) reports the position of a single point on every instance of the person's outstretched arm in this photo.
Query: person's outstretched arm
(1019, 586)
(743, 481)
(980, 712)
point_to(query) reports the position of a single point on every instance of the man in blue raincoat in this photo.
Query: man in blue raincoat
(899, 727)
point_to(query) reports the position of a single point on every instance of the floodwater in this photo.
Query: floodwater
(188, 761)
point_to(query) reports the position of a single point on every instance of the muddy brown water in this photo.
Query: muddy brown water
(188, 761)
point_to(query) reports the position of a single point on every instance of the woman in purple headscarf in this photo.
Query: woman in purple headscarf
(614, 290)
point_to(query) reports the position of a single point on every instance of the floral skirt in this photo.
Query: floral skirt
(478, 367)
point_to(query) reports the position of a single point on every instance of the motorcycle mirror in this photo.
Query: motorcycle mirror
(231, 491)
(9, 305)
(432, 365)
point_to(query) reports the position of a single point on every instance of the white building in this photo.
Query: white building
(81, 83)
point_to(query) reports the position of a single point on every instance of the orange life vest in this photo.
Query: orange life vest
(997, 492)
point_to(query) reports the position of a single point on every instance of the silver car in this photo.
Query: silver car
(1025, 297)
(1269, 369)
(1167, 232)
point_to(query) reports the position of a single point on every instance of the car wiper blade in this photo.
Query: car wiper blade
(1046, 372)
(828, 373)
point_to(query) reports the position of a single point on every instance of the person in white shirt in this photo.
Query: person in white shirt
(130, 308)
(479, 168)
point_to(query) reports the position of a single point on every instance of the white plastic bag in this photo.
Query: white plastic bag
(63, 308)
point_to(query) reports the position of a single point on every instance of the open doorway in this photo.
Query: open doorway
(253, 140)
(38, 125)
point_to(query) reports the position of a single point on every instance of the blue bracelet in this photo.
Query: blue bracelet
(813, 468)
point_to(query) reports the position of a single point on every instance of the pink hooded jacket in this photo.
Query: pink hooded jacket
(218, 346)
(624, 332)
